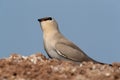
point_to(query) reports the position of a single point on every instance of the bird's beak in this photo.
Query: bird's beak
(39, 20)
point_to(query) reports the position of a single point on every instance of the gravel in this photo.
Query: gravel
(38, 67)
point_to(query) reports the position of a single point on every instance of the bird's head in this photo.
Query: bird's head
(48, 24)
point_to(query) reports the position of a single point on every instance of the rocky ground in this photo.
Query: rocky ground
(38, 67)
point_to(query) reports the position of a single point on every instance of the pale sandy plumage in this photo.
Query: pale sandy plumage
(57, 46)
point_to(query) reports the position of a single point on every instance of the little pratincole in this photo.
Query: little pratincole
(59, 47)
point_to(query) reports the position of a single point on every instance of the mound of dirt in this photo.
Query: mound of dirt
(38, 67)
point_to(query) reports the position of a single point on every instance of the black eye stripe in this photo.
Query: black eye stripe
(45, 19)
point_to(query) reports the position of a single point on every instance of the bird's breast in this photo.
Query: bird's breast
(49, 42)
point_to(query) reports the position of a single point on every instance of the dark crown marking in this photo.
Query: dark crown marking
(45, 19)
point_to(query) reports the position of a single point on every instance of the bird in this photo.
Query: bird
(58, 46)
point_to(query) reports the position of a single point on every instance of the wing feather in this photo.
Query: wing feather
(71, 51)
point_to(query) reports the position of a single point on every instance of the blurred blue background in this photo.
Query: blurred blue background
(93, 25)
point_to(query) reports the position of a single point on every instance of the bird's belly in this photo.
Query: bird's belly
(54, 54)
(50, 49)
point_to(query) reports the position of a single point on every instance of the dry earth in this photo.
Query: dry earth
(38, 67)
